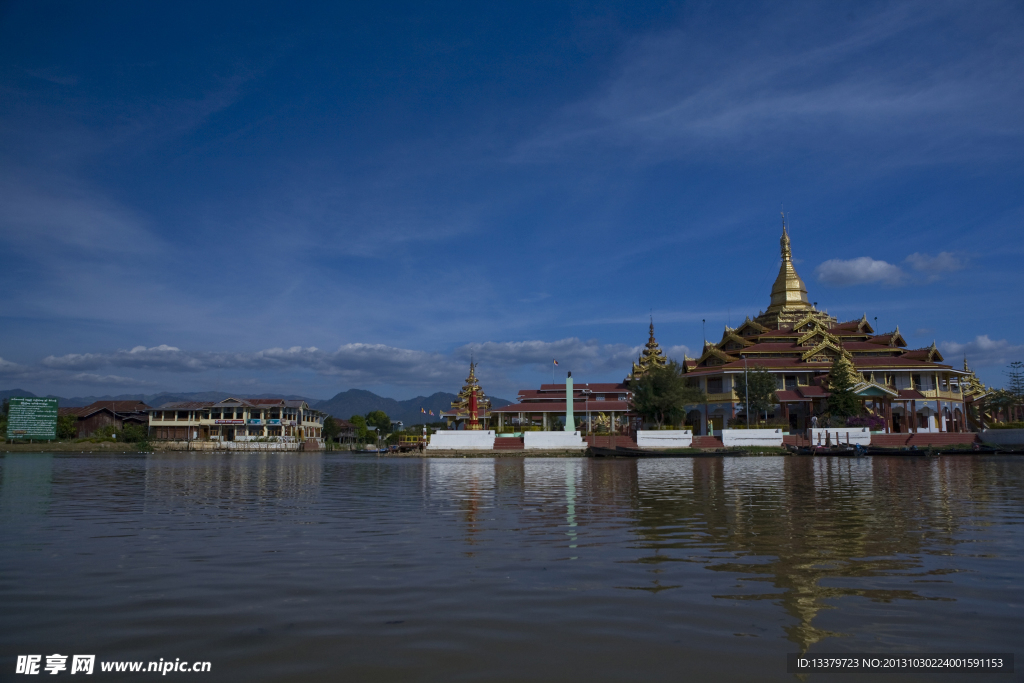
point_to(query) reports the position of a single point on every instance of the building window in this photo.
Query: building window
(714, 385)
(791, 381)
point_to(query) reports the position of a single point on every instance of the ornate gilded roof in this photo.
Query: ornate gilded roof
(971, 385)
(789, 307)
(651, 356)
(461, 404)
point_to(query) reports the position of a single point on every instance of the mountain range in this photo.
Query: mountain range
(343, 405)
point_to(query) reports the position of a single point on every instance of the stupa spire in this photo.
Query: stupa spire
(651, 356)
(789, 292)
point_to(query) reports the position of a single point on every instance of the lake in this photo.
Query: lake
(331, 567)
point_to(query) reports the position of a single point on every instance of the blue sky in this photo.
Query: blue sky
(306, 198)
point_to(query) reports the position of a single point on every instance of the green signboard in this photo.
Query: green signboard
(32, 418)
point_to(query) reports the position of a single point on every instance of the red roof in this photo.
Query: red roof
(787, 396)
(578, 407)
(911, 394)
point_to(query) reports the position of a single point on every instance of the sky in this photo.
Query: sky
(305, 198)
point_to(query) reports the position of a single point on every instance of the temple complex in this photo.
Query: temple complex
(901, 390)
(910, 390)
(471, 410)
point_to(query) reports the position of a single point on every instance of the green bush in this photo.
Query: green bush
(1007, 425)
(67, 427)
(106, 432)
(133, 434)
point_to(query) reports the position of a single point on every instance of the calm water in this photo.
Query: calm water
(320, 567)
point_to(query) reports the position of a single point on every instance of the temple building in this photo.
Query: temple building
(597, 407)
(471, 410)
(603, 407)
(911, 390)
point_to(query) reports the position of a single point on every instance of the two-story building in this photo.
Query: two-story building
(237, 419)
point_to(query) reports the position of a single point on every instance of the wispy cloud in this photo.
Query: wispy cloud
(355, 364)
(934, 267)
(752, 84)
(858, 271)
(983, 351)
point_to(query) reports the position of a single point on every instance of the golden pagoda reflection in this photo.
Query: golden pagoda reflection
(818, 530)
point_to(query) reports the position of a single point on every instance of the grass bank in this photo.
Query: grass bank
(83, 446)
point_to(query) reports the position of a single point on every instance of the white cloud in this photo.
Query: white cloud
(678, 353)
(982, 351)
(858, 271)
(570, 353)
(943, 262)
(355, 364)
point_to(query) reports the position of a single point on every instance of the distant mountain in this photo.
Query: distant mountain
(7, 393)
(361, 402)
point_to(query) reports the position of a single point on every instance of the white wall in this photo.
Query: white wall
(839, 435)
(751, 437)
(553, 441)
(664, 438)
(1003, 437)
(463, 439)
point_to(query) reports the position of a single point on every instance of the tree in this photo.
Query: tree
(380, 420)
(331, 428)
(359, 427)
(1015, 387)
(132, 433)
(756, 386)
(842, 402)
(660, 395)
(67, 427)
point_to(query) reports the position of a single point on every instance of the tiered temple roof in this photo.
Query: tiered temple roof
(472, 404)
(792, 335)
(652, 356)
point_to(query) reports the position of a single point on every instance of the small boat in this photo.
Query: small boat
(833, 451)
(597, 452)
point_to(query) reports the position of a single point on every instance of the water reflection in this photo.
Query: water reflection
(233, 481)
(818, 531)
(513, 552)
(26, 481)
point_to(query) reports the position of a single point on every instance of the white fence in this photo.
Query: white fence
(462, 440)
(664, 438)
(1003, 437)
(553, 441)
(751, 437)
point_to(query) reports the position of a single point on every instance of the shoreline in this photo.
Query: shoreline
(105, 448)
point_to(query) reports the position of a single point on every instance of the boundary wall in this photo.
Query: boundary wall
(751, 437)
(664, 438)
(462, 440)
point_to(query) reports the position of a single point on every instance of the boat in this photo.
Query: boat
(597, 452)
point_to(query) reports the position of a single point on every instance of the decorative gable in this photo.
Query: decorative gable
(820, 352)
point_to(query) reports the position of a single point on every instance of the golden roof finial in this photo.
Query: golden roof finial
(787, 254)
(789, 292)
